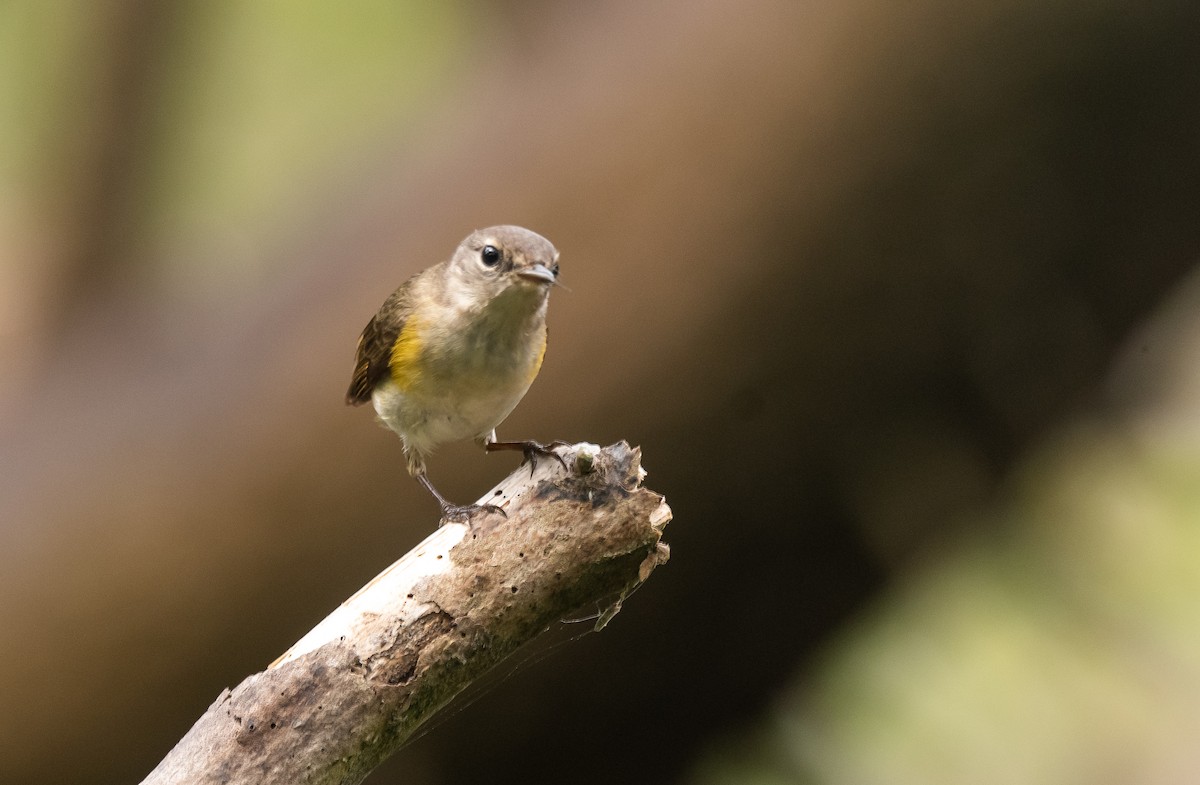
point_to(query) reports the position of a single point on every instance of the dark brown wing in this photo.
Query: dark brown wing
(375, 347)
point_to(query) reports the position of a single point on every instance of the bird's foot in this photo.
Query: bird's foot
(465, 513)
(532, 450)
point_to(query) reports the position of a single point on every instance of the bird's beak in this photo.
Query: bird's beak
(538, 273)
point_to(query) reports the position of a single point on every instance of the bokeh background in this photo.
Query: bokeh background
(900, 300)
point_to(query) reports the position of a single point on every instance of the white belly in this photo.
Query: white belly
(424, 422)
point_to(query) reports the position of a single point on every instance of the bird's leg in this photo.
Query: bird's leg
(457, 513)
(530, 448)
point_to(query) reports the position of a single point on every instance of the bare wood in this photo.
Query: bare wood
(351, 691)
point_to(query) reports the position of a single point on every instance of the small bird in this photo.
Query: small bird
(454, 349)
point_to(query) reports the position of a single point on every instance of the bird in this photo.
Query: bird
(454, 349)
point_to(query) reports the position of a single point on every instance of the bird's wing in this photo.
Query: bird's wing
(375, 348)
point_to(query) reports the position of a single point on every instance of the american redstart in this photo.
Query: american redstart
(454, 349)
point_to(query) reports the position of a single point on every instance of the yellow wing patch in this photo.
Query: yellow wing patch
(537, 365)
(406, 352)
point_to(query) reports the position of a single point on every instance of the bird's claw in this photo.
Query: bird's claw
(534, 449)
(531, 450)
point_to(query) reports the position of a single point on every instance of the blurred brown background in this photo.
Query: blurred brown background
(895, 298)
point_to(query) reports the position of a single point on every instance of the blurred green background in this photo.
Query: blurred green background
(899, 300)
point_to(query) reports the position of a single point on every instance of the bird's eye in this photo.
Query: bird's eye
(554, 269)
(490, 255)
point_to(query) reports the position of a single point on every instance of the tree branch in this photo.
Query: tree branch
(351, 691)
